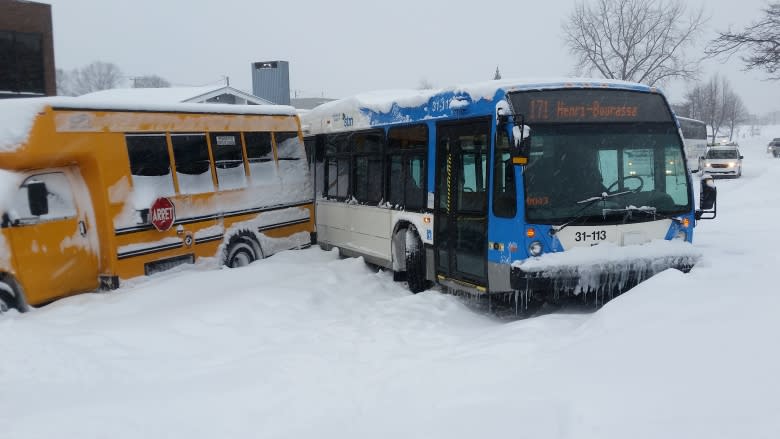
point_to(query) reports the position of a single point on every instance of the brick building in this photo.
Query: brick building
(26, 49)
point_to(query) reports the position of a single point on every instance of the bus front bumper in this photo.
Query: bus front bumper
(606, 274)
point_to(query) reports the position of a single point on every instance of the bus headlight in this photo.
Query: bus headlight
(681, 235)
(535, 248)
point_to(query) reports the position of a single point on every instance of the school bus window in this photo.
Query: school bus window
(288, 146)
(150, 165)
(193, 167)
(259, 154)
(59, 197)
(228, 160)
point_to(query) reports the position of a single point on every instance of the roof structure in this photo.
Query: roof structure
(172, 95)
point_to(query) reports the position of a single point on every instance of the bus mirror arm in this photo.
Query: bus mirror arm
(521, 140)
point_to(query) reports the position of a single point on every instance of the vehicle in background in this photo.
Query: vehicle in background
(774, 147)
(723, 141)
(92, 194)
(694, 133)
(725, 161)
(487, 188)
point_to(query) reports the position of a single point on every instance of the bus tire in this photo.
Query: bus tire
(9, 295)
(242, 249)
(415, 262)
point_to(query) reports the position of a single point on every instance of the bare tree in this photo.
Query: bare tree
(64, 80)
(424, 84)
(150, 81)
(634, 40)
(96, 76)
(761, 40)
(734, 110)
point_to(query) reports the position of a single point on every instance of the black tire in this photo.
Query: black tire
(415, 262)
(7, 297)
(242, 250)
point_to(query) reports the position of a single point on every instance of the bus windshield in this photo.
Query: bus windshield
(641, 164)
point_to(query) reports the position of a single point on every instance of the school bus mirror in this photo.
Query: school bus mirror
(38, 198)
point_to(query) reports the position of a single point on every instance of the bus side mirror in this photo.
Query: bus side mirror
(707, 199)
(38, 198)
(521, 144)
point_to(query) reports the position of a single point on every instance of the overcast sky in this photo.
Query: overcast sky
(338, 48)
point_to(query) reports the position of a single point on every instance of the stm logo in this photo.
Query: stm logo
(348, 120)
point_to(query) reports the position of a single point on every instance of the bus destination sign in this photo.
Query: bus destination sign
(589, 105)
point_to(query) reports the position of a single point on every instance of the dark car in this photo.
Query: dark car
(774, 147)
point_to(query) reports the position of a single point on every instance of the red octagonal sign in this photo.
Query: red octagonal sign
(162, 214)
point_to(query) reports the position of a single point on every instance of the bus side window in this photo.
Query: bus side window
(193, 166)
(260, 155)
(407, 146)
(150, 165)
(367, 151)
(228, 160)
(504, 191)
(337, 166)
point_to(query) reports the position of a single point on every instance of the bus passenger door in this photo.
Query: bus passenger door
(54, 251)
(461, 200)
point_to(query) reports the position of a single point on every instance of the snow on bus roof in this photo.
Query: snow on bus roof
(382, 101)
(359, 106)
(17, 115)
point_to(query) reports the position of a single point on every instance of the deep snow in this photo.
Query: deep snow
(304, 344)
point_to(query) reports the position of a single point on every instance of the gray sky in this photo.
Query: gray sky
(340, 48)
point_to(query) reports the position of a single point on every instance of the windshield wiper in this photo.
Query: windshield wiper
(586, 204)
(646, 210)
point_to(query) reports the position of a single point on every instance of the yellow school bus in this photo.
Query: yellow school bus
(92, 194)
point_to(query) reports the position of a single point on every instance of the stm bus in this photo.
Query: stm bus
(93, 194)
(534, 190)
(694, 134)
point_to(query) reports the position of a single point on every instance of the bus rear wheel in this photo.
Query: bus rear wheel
(415, 262)
(7, 297)
(242, 250)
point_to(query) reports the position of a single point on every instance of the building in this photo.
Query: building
(271, 81)
(221, 94)
(26, 50)
(308, 103)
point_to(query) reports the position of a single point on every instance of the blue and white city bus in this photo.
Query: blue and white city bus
(535, 189)
(694, 133)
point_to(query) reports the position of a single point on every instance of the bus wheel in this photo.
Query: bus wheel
(7, 296)
(415, 262)
(242, 250)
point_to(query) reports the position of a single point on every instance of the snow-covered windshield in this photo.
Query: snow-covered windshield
(722, 154)
(570, 163)
(9, 183)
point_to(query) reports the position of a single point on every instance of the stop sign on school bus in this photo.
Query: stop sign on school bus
(162, 214)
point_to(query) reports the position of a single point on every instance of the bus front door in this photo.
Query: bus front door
(461, 201)
(54, 251)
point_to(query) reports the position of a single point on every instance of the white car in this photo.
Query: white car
(722, 161)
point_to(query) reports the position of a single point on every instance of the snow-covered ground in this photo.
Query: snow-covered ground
(305, 344)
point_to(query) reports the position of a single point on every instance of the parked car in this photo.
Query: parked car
(722, 161)
(774, 147)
